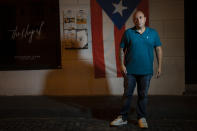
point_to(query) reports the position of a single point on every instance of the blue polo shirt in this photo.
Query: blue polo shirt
(139, 50)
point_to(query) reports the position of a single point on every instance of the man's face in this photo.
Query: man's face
(139, 19)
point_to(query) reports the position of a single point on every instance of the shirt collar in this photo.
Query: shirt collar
(135, 29)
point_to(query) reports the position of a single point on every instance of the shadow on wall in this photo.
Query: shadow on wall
(76, 78)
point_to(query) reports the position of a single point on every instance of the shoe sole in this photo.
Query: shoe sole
(124, 124)
(143, 127)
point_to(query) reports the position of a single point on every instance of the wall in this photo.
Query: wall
(77, 75)
(168, 18)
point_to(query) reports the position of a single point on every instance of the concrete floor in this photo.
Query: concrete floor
(93, 113)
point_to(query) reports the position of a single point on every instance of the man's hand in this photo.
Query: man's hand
(123, 70)
(158, 73)
(159, 55)
(122, 66)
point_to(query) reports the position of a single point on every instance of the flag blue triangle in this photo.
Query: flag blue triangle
(118, 10)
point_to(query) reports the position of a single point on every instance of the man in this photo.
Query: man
(136, 56)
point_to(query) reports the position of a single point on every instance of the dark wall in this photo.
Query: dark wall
(190, 42)
(29, 34)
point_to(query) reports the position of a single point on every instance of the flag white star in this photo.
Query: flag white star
(119, 8)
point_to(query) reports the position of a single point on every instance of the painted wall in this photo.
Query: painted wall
(77, 75)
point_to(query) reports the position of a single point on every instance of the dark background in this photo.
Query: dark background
(190, 42)
(44, 51)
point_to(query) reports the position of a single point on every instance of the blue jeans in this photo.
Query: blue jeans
(143, 82)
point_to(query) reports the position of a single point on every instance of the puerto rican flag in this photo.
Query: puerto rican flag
(109, 20)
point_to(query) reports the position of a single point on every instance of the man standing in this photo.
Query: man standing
(136, 56)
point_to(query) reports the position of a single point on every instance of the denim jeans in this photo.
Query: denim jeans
(143, 82)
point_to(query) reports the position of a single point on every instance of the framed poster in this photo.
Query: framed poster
(29, 34)
(75, 29)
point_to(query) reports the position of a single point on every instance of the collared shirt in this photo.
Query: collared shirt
(140, 50)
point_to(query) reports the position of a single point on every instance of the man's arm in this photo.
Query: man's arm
(159, 55)
(122, 66)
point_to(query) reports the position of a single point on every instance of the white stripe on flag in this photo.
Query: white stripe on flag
(109, 46)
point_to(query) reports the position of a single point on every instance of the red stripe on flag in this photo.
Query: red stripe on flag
(117, 37)
(144, 6)
(97, 39)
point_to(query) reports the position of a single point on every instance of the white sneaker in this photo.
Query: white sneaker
(118, 121)
(142, 123)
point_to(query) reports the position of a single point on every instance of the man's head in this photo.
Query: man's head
(139, 19)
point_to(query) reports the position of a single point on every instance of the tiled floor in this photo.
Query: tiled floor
(42, 113)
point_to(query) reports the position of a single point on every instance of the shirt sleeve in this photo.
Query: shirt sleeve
(123, 41)
(157, 40)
